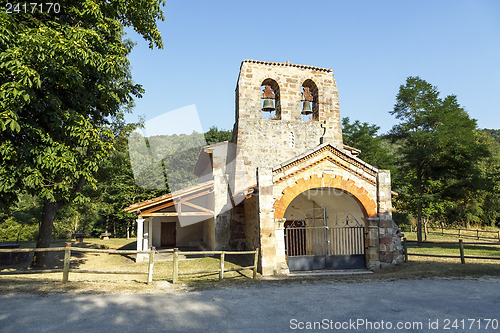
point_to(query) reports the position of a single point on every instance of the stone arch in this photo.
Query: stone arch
(277, 100)
(313, 88)
(346, 185)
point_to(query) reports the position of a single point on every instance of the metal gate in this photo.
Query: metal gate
(319, 242)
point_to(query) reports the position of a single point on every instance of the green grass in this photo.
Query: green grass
(452, 249)
(416, 268)
(88, 282)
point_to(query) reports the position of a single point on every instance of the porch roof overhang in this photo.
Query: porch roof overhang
(344, 158)
(184, 197)
(348, 154)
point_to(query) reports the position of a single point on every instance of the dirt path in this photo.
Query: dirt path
(272, 308)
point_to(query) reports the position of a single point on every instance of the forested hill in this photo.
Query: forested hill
(495, 133)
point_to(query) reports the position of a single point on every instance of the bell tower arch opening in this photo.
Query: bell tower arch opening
(270, 100)
(309, 101)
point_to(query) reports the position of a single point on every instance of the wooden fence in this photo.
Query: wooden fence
(67, 261)
(460, 244)
(461, 232)
(468, 233)
(175, 275)
(220, 270)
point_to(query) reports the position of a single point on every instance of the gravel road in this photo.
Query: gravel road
(377, 306)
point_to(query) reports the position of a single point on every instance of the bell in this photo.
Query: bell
(268, 105)
(306, 108)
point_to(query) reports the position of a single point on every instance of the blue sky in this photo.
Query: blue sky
(372, 46)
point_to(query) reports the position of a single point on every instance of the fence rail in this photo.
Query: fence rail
(460, 243)
(220, 270)
(67, 261)
(175, 275)
(463, 232)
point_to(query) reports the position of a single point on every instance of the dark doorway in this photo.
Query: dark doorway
(168, 234)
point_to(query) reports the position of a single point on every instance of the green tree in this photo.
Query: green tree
(214, 135)
(494, 133)
(364, 137)
(62, 80)
(438, 149)
(116, 188)
(480, 203)
(22, 224)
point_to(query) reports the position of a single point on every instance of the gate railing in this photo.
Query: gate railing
(347, 240)
(314, 241)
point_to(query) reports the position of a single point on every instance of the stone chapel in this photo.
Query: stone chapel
(286, 183)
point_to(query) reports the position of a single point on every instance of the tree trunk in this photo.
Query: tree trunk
(419, 205)
(419, 222)
(426, 221)
(40, 259)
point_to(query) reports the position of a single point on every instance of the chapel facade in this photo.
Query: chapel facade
(285, 183)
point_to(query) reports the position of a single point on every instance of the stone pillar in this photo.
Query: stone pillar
(140, 232)
(372, 243)
(279, 231)
(145, 243)
(391, 249)
(266, 221)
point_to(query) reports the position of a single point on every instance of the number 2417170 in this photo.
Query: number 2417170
(32, 7)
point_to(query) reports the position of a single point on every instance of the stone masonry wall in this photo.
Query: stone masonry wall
(237, 237)
(222, 203)
(252, 223)
(266, 216)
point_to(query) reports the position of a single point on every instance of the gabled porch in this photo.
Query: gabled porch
(183, 218)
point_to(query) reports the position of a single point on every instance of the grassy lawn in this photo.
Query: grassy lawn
(453, 249)
(416, 268)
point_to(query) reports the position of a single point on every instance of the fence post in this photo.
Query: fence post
(458, 232)
(499, 236)
(405, 249)
(442, 230)
(67, 259)
(256, 261)
(477, 234)
(221, 266)
(461, 245)
(175, 273)
(151, 264)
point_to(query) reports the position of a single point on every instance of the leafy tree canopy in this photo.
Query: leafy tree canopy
(363, 136)
(214, 135)
(438, 148)
(63, 78)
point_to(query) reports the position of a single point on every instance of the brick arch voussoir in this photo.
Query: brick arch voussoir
(302, 185)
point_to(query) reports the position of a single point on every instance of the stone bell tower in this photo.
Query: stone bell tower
(268, 138)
